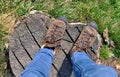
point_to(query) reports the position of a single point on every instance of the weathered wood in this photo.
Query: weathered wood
(66, 37)
(37, 28)
(44, 17)
(19, 51)
(80, 27)
(61, 62)
(54, 72)
(15, 65)
(27, 40)
(66, 68)
(14, 61)
(73, 33)
(66, 46)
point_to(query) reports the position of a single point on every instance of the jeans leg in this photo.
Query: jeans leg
(83, 66)
(40, 65)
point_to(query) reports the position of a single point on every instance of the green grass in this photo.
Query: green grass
(105, 52)
(105, 12)
(3, 58)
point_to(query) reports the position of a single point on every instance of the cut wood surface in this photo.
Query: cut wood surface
(27, 39)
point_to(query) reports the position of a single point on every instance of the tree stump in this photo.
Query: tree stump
(27, 39)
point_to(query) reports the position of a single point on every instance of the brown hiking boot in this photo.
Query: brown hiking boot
(85, 41)
(55, 33)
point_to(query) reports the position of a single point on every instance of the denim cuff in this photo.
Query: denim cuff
(45, 51)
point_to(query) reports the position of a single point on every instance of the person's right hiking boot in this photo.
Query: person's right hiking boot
(85, 41)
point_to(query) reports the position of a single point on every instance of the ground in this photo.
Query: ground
(105, 13)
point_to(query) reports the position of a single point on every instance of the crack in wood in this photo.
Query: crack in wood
(69, 35)
(25, 49)
(56, 70)
(18, 60)
(32, 35)
(14, 64)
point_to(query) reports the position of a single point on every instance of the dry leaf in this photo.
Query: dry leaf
(5, 65)
(106, 38)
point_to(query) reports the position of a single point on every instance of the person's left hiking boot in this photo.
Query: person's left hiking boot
(55, 33)
(85, 41)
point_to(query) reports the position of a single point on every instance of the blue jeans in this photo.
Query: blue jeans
(83, 66)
